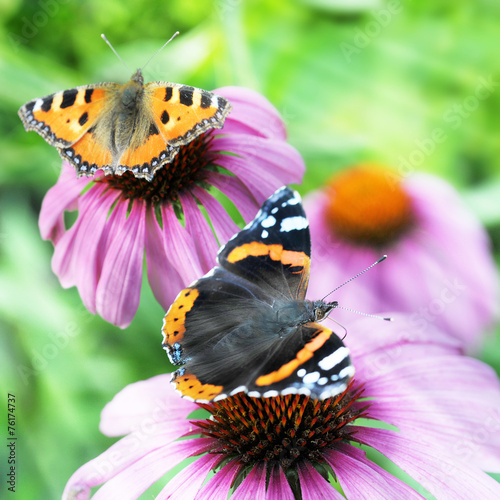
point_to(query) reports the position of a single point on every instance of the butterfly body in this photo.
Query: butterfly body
(132, 127)
(246, 325)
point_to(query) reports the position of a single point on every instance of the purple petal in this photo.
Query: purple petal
(395, 334)
(314, 486)
(163, 278)
(143, 403)
(200, 231)
(186, 484)
(278, 488)
(362, 478)
(219, 485)
(253, 487)
(252, 114)
(131, 482)
(180, 247)
(224, 226)
(127, 455)
(60, 197)
(119, 287)
(267, 155)
(421, 389)
(237, 192)
(87, 262)
(250, 176)
(443, 475)
(75, 257)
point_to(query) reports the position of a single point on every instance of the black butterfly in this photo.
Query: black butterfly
(246, 326)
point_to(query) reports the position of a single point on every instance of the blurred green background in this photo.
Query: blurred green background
(353, 80)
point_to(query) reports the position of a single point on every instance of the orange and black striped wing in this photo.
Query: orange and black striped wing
(274, 250)
(66, 120)
(180, 114)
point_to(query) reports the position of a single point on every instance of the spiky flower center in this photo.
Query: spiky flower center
(188, 166)
(368, 206)
(281, 430)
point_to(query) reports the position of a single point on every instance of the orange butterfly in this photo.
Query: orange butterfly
(118, 128)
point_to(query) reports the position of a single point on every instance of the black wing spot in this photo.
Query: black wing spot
(47, 103)
(69, 98)
(83, 119)
(164, 117)
(178, 118)
(168, 94)
(153, 129)
(206, 100)
(88, 95)
(186, 95)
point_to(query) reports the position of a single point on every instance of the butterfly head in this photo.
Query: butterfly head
(137, 77)
(322, 309)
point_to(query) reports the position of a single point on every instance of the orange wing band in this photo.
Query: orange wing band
(174, 322)
(303, 355)
(190, 387)
(276, 252)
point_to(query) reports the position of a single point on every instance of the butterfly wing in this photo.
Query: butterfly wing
(176, 115)
(273, 251)
(66, 120)
(311, 360)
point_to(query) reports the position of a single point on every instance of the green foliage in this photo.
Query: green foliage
(352, 85)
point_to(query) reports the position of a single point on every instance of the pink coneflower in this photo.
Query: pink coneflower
(432, 412)
(439, 269)
(121, 217)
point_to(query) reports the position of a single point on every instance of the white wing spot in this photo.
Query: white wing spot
(311, 378)
(348, 371)
(334, 359)
(301, 372)
(294, 224)
(296, 199)
(240, 388)
(264, 234)
(38, 105)
(290, 390)
(219, 397)
(269, 221)
(270, 394)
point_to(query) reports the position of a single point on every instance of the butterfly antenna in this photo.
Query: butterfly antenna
(160, 49)
(364, 314)
(103, 36)
(357, 275)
